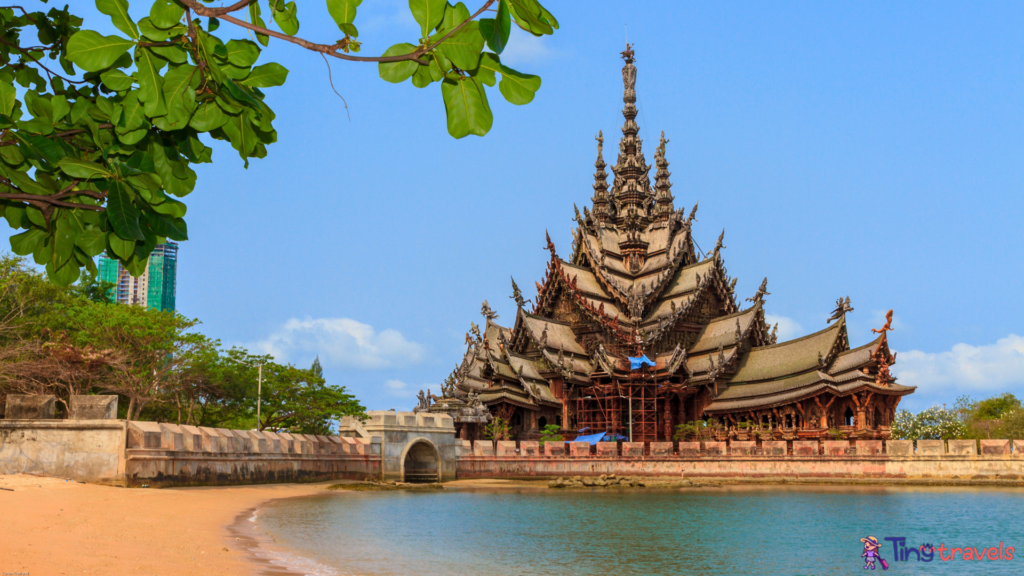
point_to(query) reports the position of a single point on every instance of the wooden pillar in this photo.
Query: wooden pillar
(668, 418)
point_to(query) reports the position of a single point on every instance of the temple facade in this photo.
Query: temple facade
(637, 332)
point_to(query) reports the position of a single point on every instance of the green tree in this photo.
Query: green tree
(98, 133)
(498, 429)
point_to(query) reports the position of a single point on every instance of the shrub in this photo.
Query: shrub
(932, 424)
(551, 433)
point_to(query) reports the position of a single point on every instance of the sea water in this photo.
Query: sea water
(728, 530)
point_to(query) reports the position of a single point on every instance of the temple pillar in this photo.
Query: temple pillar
(668, 418)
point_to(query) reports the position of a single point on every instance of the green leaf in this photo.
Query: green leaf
(8, 97)
(463, 49)
(422, 78)
(39, 148)
(466, 106)
(180, 83)
(241, 134)
(266, 76)
(428, 13)
(400, 71)
(122, 248)
(516, 87)
(453, 16)
(17, 218)
(93, 52)
(254, 17)
(83, 169)
(344, 14)
(503, 28)
(133, 116)
(156, 33)
(27, 242)
(117, 80)
(172, 228)
(548, 17)
(243, 53)
(166, 13)
(208, 117)
(122, 213)
(287, 18)
(151, 83)
(93, 242)
(64, 274)
(118, 12)
(527, 16)
(171, 207)
(489, 65)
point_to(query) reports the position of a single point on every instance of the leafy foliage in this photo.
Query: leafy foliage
(66, 341)
(551, 433)
(100, 132)
(932, 424)
(498, 429)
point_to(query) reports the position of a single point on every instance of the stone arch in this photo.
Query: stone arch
(421, 461)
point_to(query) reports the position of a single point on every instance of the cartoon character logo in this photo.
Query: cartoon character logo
(870, 554)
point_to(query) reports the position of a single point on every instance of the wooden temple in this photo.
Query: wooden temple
(634, 286)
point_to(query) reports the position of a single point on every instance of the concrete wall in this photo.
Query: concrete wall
(148, 453)
(171, 455)
(86, 450)
(960, 459)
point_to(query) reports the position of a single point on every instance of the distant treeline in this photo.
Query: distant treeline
(996, 417)
(69, 341)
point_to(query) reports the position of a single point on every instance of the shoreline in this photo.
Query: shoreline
(63, 527)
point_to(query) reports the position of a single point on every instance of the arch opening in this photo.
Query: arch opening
(422, 464)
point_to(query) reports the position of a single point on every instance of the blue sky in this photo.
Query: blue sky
(869, 149)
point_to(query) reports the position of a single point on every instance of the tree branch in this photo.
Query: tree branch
(40, 64)
(330, 50)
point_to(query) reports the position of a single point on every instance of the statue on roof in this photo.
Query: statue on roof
(475, 331)
(887, 327)
(774, 337)
(719, 245)
(629, 73)
(544, 337)
(761, 292)
(550, 246)
(841, 308)
(486, 312)
(517, 295)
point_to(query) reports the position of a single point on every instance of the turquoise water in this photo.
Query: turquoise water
(735, 530)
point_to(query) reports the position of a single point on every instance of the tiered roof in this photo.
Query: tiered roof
(634, 283)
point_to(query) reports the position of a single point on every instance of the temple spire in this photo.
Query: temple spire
(600, 198)
(662, 186)
(632, 185)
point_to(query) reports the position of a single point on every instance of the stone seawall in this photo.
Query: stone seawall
(148, 453)
(960, 459)
(85, 450)
(172, 455)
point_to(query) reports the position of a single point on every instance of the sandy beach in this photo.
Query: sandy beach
(55, 527)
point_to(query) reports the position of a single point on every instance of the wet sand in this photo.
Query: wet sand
(51, 526)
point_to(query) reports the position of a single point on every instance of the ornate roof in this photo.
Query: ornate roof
(634, 283)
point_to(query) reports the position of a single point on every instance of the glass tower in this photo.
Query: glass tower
(154, 289)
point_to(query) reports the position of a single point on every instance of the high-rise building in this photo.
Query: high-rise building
(154, 289)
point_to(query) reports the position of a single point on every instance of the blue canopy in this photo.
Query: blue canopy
(638, 363)
(600, 437)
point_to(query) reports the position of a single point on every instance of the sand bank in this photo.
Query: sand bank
(55, 527)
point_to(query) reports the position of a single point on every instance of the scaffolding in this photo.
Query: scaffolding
(596, 414)
(642, 396)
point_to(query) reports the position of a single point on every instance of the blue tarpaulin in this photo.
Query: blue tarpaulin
(601, 437)
(638, 363)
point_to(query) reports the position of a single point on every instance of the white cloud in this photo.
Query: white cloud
(340, 342)
(788, 328)
(399, 389)
(964, 369)
(525, 48)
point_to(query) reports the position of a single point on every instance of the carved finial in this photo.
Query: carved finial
(762, 291)
(550, 245)
(774, 338)
(719, 245)
(841, 309)
(693, 213)
(475, 331)
(486, 312)
(887, 327)
(517, 295)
